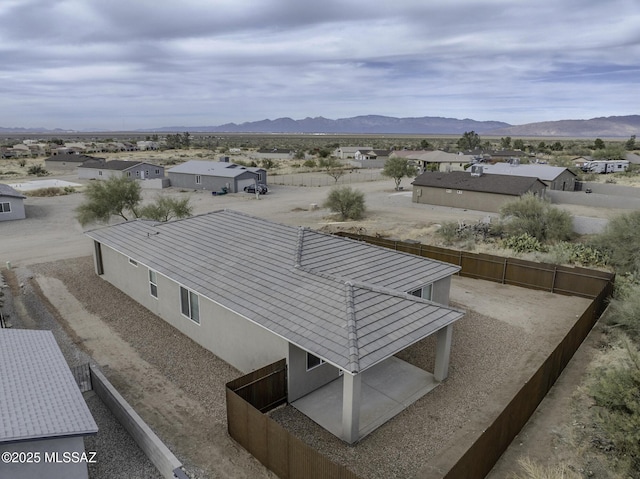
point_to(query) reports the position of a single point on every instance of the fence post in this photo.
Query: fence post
(504, 270)
(553, 280)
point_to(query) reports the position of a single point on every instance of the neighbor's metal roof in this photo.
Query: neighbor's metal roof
(38, 396)
(212, 168)
(342, 300)
(544, 172)
(464, 181)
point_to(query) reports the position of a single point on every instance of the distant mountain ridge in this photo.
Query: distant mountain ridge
(612, 126)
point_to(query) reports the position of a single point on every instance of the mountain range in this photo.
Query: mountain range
(612, 126)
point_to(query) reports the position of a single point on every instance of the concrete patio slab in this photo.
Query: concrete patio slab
(387, 389)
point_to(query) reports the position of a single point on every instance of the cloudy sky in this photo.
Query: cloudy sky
(116, 64)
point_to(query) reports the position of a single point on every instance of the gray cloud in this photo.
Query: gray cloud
(114, 64)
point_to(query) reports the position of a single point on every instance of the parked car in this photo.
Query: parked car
(262, 189)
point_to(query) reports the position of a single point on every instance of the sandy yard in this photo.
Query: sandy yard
(124, 344)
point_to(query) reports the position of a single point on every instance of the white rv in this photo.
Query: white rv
(605, 166)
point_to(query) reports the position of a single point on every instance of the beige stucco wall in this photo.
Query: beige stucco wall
(231, 337)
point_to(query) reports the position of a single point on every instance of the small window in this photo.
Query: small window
(5, 207)
(313, 361)
(189, 304)
(99, 172)
(448, 191)
(146, 172)
(153, 283)
(157, 172)
(129, 174)
(424, 292)
(137, 174)
(198, 180)
(459, 192)
(133, 262)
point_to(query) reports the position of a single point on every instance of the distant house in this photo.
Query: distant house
(11, 204)
(555, 177)
(370, 158)
(253, 292)
(66, 161)
(274, 153)
(42, 411)
(103, 170)
(348, 152)
(215, 175)
(434, 160)
(477, 191)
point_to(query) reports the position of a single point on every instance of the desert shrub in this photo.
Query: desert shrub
(448, 231)
(624, 309)
(43, 192)
(523, 243)
(533, 470)
(69, 189)
(576, 253)
(620, 241)
(37, 170)
(617, 394)
(310, 163)
(22, 163)
(537, 218)
(346, 201)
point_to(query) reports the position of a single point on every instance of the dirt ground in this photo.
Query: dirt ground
(51, 233)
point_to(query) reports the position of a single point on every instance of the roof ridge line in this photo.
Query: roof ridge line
(352, 330)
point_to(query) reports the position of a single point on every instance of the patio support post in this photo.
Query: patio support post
(351, 389)
(443, 351)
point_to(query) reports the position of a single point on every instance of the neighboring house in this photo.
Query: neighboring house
(147, 145)
(103, 170)
(215, 175)
(274, 153)
(370, 158)
(43, 415)
(253, 292)
(555, 177)
(11, 204)
(434, 160)
(349, 152)
(66, 161)
(474, 191)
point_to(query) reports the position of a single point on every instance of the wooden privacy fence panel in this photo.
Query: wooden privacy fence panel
(573, 281)
(287, 456)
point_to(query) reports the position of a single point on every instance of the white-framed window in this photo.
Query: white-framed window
(99, 172)
(137, 174)
(133, 262)
(157, 172)
(313, 361)
(198, 180)
(189, 304)
(459, 192)
(129, 174)
(153, 283)
(448, 191)
(5, 207)
(425, 292)
(146, 173)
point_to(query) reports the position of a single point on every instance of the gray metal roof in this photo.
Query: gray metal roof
(212, 168)
(544, 172)
(38, 396)
(6, 190)
(464, 181)
(342, 300)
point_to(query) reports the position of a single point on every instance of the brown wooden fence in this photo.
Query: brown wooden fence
(248, 398)
(573, 281)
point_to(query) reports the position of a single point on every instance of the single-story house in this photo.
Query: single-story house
(473, 190)
(103, 170)
(43, 416)
(11, 204)
(253, 292)
(434, 160)
(370, 158)
(67, 161)
(555, 177)
(274, 153)
(215, 175)
(348, 152)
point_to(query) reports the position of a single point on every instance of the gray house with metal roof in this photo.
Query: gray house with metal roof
(43, 415)
(473, 190)
(555, 177)
(215, 175)
(337, 309)
(11, 204)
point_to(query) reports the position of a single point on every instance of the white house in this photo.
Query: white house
(11, 204)
(254, 292)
